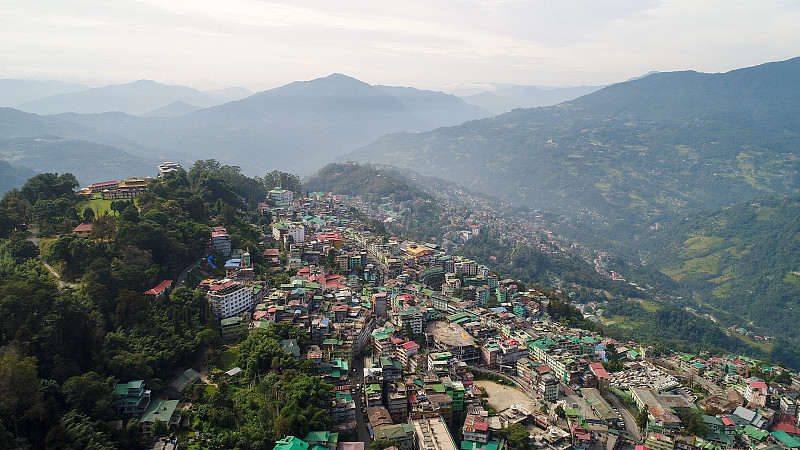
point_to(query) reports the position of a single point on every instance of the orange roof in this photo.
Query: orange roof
(159, 289)
(83, 227)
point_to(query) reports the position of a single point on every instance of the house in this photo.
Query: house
(177, 386)
(221, 241)
(132, 398)
(163, 410)
(756, 393)
(167, 167)
(291, 443)
(160, 290)
(83, 230)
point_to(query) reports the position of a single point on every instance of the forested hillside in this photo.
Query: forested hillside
(65, 343)
(630, 155)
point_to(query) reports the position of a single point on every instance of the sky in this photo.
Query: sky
(456, 46)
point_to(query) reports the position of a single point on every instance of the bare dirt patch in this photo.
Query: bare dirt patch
(501, 397)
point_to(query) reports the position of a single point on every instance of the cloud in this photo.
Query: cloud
(429, 44)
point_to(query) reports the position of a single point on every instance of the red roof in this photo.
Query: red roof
(335, 285)
(409, 345)
(272, 252)
(787, 427)
(544, 368)
(159, 289)
(259, 314)
(727, 421)
(757, 384)
(102, 184)
(481, 426)
(599, 371)
(215, 287)
(83, 227)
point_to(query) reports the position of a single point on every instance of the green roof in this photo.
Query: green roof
(189, 376)
(159, 410)
(786, 439)
(123, 388)
(317, 436)
(291, 443)
(755, 433)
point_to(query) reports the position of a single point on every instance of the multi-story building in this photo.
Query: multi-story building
(220, 240)
(167, 167)
(756, 393)
(281, 195)
(402, 433)
(229, 298)
(548, 387)
(432, 434)
(297, 232)
(132, 398)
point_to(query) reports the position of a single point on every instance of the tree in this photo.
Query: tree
(642, 419)
(19, 387)
(517, 436)
(159, 428)
(91, 394)
(560, 412)
(380, 444)
(88, 214)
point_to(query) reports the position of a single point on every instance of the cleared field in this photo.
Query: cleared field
(501, 397)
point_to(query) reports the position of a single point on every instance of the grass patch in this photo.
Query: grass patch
(765, 213)
(700, 244)
(706, 264)
(210, 389)
(625, 322)
(723, 290)
(100, 206)
(792, 278)
(227, 359)
(649, 306)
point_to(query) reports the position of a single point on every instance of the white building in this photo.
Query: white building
(221, 241)
(281, 195)
(167, 167)
(297, 232)
(229, 298)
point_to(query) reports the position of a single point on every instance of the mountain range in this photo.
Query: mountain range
(630, 155)
(298, 127)
(512, 97)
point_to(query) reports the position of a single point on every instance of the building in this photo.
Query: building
(548, 387)
(159, 290)
(100, 187)
(476, 429)
(756, 393)
(132, 398)
(281, 195)
(402, 433)
(127, 188)
(163, 410)
(220, 240)
(232, 329)
(82, 230)
(432, 434)
(229, 298)
(379, 304)
(297, 232)
(168, 167)
(291, 443)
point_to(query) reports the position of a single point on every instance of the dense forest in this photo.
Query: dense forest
(65, 343)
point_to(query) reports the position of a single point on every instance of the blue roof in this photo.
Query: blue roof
(499, 309)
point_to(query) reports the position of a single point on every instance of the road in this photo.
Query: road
(357, 378)
(627, 417)
(533, 395)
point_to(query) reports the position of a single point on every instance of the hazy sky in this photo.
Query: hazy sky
(261, 44)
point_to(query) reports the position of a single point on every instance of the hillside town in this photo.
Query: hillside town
(433, 351)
